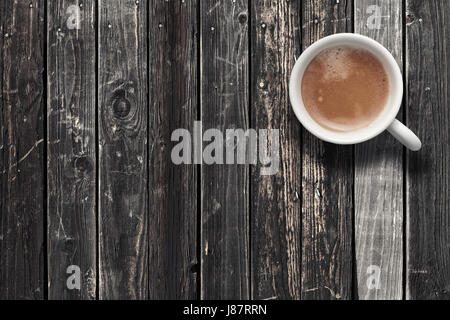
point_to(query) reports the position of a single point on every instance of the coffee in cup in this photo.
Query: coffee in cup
(345, 88)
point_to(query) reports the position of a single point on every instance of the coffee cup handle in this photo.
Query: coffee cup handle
(403, 134)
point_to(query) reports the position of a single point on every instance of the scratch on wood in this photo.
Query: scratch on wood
(214, 7)
(25, 156)
(226, 61)
(270, 298)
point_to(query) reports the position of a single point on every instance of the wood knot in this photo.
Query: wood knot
(242, 17)
(82, 164)
(121, 105)
(410, 17)
(194, 268)
(69, 245)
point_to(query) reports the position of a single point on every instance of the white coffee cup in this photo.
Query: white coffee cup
(386, 119)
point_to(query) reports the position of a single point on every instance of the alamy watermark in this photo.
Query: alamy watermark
(234, 146)
(74, 19)
(74, 280)
(374, 20)
(373, 281)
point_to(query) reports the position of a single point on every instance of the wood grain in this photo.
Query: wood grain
(123, 174)
(173, 265)
(71, 148)
(327, 183)
(428, 174)
(275, 200)
(22, 150)
(141, 227)
(379, 176)
(225, 189)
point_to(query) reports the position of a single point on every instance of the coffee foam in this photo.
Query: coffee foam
(345, 88)
(336, 63)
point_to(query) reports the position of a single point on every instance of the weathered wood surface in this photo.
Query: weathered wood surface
(379, 175)
(71, 186)
(428, 173)
(327, 182)
(225, 188)
(275, 200)
(110, 201)
(22, 174)
(173, 261)
(123, 128)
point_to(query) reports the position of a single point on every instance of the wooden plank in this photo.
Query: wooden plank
(173, 264)
(275, 200)
(224, 103)
(379, 176)
(428, 173)
(327, 182)
(22, 151)
(71, 149)
(123, 174)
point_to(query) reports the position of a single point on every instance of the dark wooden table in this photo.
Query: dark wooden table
(91, 92)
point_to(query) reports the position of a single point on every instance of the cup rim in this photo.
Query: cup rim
(363, 134)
